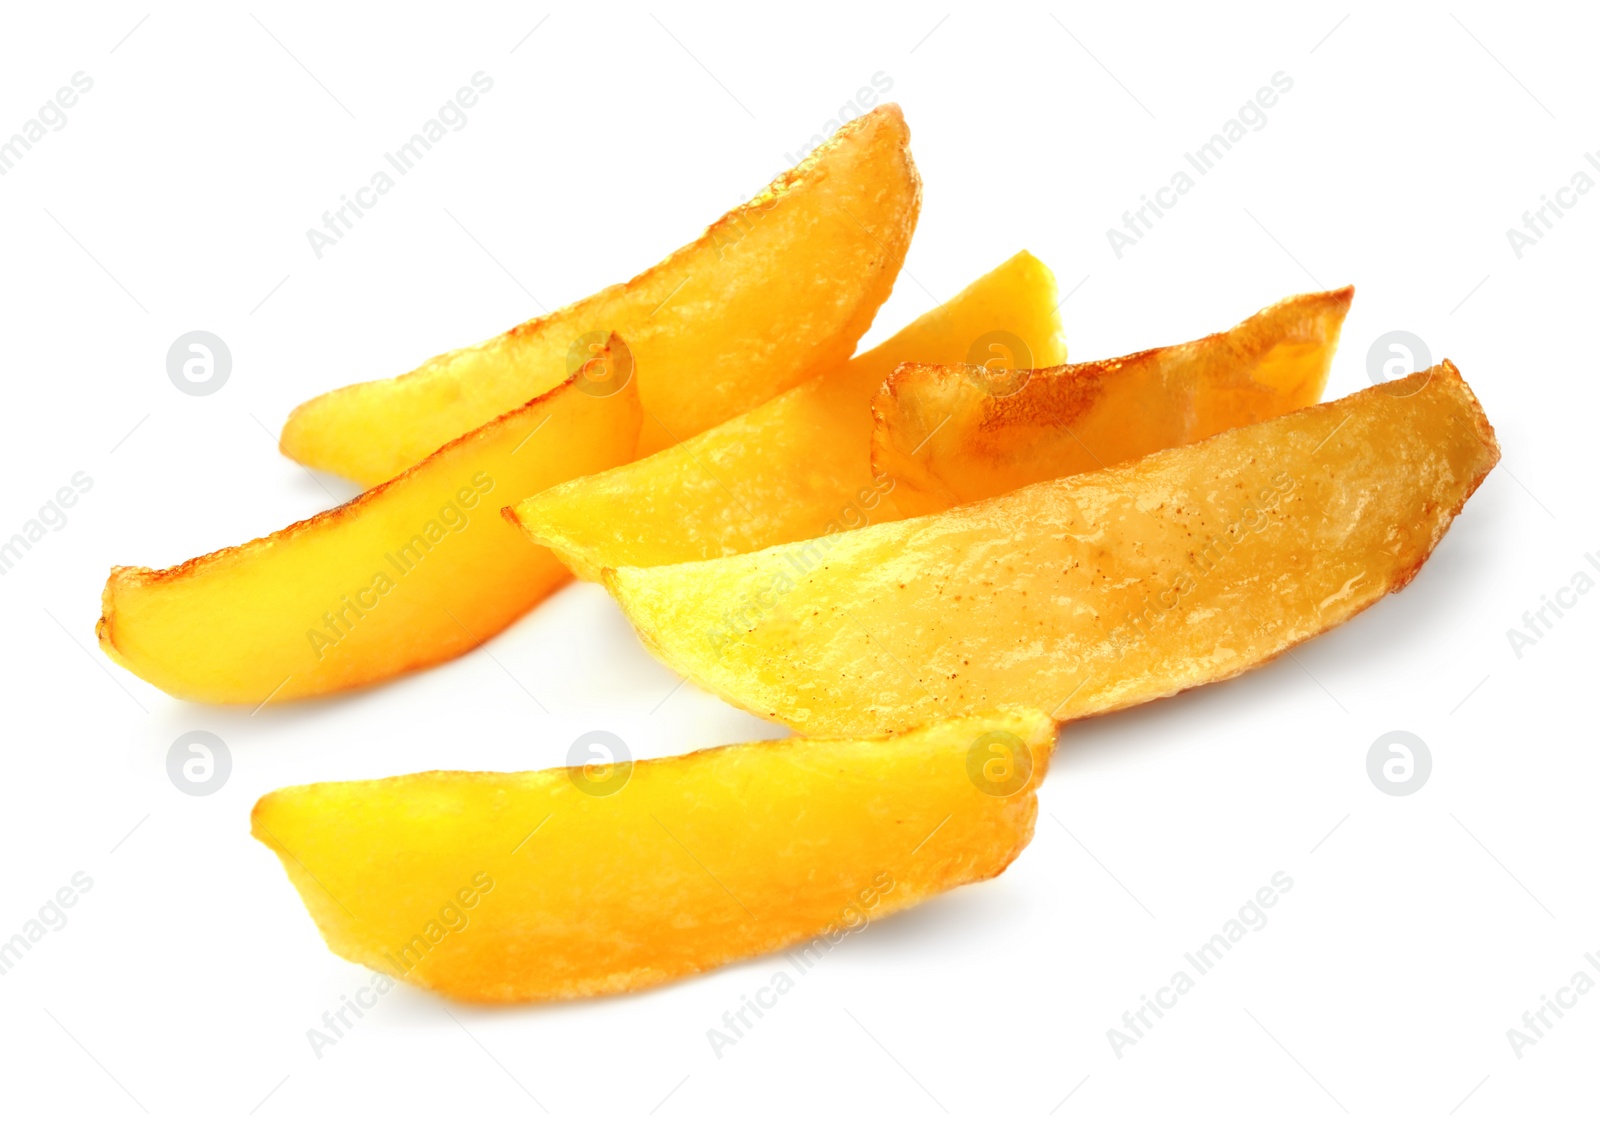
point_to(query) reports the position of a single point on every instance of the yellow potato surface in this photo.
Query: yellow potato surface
(499, 887)
(410, 573)
(1084, 594)
(796, 467)
(954, 434)
(773, 293)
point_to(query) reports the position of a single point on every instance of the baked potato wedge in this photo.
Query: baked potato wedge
(947, 435)
(794, 468)
(773, 293)
(499, 887)
(410, 573)
(1084, 594)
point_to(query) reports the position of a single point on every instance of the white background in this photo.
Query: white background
(1418, 930)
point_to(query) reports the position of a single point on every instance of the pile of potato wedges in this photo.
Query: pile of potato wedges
(922, 559)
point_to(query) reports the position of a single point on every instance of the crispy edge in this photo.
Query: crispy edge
(782, 185)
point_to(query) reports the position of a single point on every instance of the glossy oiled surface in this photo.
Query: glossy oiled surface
(520, 886)
(953, 434)
(792, 469)
(410, 573)
(776, 291)
(1084, 594)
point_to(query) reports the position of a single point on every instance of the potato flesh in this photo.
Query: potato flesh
(696, 861)
(952, 434)
(793, 468)
(773, 293)
(1086, 594)
(304, 611)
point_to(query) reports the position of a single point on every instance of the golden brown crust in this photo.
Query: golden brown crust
(1065, 392)
(823, 706)
(1485, 432)
(780, 186)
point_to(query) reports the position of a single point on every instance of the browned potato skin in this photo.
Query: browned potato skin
(950, 434)
(1085, 594)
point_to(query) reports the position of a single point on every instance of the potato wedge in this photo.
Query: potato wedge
(773, 293)
(954, 434)
(1084, 594)
(797, 466)
(499, 887)
(410, 573)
